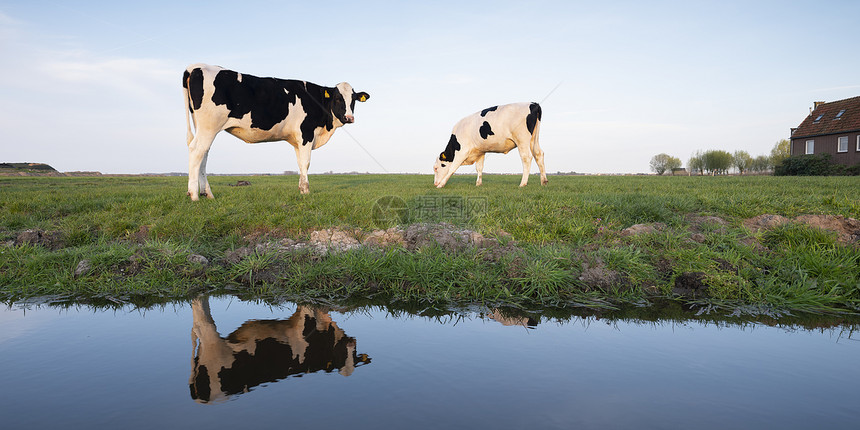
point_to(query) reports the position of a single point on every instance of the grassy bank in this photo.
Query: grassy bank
(554, 246)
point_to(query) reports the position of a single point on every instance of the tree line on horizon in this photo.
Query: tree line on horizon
(719, 162)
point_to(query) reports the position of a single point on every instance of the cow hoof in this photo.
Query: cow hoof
(210, 196)
(544, 182)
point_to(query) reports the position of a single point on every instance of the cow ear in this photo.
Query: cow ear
(362, 96)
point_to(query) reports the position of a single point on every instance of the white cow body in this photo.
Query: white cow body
(496, 129)
(260, 110)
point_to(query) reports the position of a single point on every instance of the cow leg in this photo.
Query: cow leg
(197, 151)
(203, 186)
(538, 154)
(303, 156)
(526, 156)
(479, 166)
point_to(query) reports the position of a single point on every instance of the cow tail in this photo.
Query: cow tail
(535, 110)
(189, 116)
(535, 136)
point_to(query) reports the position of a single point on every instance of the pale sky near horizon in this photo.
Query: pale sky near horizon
(96, 85)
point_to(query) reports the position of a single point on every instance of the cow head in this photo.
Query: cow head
(341, 101)
(444, 161)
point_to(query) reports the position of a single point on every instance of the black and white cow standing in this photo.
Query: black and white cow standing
(495, 129)
(260, 110)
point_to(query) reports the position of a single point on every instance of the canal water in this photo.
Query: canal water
(223, 362)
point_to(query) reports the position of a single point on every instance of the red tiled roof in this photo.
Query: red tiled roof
(849, 121)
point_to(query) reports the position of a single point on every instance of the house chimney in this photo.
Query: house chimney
(816, 104)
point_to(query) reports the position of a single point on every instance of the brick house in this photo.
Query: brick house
(831, 128)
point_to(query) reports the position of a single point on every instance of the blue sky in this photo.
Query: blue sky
(97, 85)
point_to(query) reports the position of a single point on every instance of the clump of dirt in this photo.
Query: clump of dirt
(198, 259)
(335, 239)
(419, 236)
(238, 254)
(726, 266)
(264, 235)
(84, 267)
(764, 222)
(597, 275)
(52, 240)
(699, 224)
(258, 276)
(391, 237)
(691, 285)
(637, 229)
(415, 237)
(664, 268)
(131, 267)
(140, 235)
(495, 251)
(847, 229)
(698, 237)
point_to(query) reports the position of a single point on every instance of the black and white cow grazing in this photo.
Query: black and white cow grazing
(495, 129)
(260, 110)
(260, 352)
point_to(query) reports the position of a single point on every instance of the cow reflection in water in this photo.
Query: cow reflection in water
(263, 351)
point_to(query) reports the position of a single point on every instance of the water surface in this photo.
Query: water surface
(222, 362)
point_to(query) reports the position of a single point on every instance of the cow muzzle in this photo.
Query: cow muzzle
(349, 119)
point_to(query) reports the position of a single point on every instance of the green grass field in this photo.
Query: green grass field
(138, 232)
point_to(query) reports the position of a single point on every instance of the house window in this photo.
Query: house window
(858, 143)
(839, 115)
(817, 119)
(810, 146)
(843, 144)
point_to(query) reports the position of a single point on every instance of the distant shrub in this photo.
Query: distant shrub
(843, 170)
(806, 165)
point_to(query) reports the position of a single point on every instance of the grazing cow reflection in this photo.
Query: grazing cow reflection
(508, 320)
(263, 351)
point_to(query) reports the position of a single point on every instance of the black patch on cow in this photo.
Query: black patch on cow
(488, 110)
(358, 96)
(264, 98)
(485, 130)
(194, 83)
(269, 99)
(200, 389)
(338, 104)
(533, 117)
(453, 146)
(273, 360)
(318, 108)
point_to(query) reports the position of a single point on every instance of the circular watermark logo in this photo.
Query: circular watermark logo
(389, 211)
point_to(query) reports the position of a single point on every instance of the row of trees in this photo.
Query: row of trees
(718, 162)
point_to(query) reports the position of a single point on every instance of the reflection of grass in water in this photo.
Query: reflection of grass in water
(138, 233)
